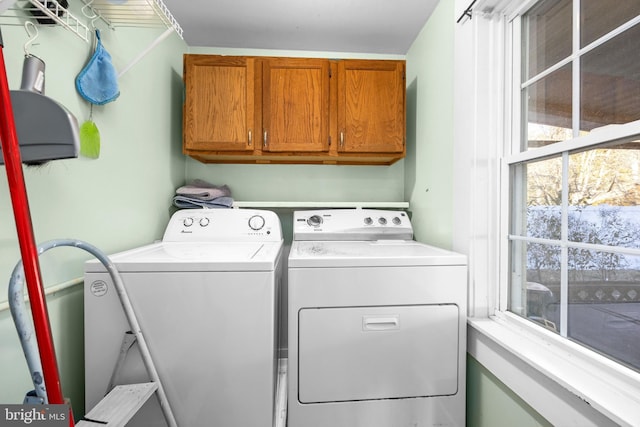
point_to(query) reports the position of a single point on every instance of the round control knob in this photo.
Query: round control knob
(256, 222)
(368, 221)
(382, 221)
(314, 220)
(204, 221)
(187, 222)
(396, 220)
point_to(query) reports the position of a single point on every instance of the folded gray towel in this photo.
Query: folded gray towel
(184, 202)
(199, 189)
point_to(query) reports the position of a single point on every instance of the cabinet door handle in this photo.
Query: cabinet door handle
(342, 139)
(250, 135)
(264, 139)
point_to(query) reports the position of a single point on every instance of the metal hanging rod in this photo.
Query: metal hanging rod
(467, 14)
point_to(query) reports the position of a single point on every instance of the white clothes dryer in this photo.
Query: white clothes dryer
(377, 323)
(206, 298)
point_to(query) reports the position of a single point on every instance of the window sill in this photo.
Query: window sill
(567, 384)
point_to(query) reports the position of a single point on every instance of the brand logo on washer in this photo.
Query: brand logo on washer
(99, 288)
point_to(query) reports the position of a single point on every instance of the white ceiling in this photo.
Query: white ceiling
(363, 26)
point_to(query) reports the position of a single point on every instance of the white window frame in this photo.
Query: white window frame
(565, 382)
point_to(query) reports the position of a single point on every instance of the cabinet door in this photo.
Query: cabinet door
(295, 105)
(371, 106)
(219, 107)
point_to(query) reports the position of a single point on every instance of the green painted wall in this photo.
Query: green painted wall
(491, 404)
(429, 163)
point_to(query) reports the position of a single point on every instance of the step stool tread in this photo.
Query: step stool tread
(119, 405)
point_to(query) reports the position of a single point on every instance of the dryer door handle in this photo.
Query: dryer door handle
(381, 323)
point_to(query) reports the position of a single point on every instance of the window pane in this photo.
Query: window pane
(546, 36)
(544, 196)
(535, 291)
(604, 196)
(575, 225)
(604, 303)
(548, 109)
(537, 212)
(610, 82)
(598, 17)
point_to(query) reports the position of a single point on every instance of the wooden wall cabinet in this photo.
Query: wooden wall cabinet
(220, 109)
(371, 106)
(293, 110)
(295, 105)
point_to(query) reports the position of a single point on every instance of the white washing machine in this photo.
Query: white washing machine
(377, 323)
(206, 298)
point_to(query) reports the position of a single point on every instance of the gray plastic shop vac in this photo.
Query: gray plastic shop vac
(45, 129)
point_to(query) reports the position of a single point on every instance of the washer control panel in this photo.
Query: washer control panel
(351, 224)
(220, 225)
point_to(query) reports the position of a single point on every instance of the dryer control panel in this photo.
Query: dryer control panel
(221, 225)
(351, 224)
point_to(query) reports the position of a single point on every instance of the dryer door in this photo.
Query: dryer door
(364, 353)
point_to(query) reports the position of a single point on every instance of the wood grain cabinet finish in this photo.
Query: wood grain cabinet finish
(371, 106)
(295, 105)
(220, 104)
(294, 110)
